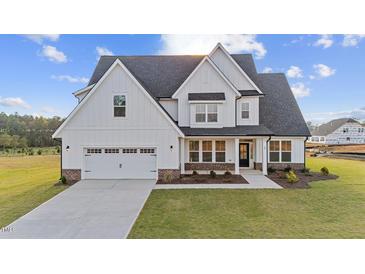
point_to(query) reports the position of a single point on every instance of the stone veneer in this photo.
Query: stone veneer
(209, 166)
(280, 166)
(175, 173)
(72, 175)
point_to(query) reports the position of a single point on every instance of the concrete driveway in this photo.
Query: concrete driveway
(91, 209)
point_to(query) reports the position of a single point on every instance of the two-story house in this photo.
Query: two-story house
(339, 131)
(142, 116)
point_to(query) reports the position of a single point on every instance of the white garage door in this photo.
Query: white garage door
(120, 163)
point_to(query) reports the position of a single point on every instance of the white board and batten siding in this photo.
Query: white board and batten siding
(297, 146)
(170, 105)
(206, 79)
(253, 103)
(95, 124)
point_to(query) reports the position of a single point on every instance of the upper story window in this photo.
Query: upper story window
(119, 105)
(345, 130)
(245, 110)
(206, 113)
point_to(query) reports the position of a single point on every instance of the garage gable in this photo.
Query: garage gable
(96, 110)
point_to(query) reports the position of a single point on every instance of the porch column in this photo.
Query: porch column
(264, 156)
(182, 155)
(236, 156)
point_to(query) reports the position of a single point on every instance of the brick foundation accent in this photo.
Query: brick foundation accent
(209, 166)
(280, 166)
(175, 173)
(72, 175)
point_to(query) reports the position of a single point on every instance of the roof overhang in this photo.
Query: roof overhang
(83, 90)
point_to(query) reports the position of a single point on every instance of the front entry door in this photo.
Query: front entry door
(244, 154)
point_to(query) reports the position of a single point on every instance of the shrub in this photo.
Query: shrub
(325, 171)
(63, 180)
(39, 152)
(287, 169)
(227, 173)
(195, 172)
(31, 151)
(167, 177)
(58, 149)
(291, 177)
(305, 170)
(271, 170)
(213, 174)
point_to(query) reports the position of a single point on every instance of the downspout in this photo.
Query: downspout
(60, 140)
(305, 158)
(267, 151)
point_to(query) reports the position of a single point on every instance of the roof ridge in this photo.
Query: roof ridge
(156, 55)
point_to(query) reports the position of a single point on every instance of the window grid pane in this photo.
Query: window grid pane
(207, 151)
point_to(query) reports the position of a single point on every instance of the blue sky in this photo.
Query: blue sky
(38, 73)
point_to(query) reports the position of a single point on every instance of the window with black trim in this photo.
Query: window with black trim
(119, 105)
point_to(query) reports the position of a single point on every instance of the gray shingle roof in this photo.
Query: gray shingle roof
(279, 110)
(206, 96)
(250, 93)
(331, 126)
(259, 130)
(162, 75)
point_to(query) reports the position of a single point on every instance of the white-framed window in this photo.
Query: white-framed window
(129, 150)
(193, 151)
(220, 151)
(245, 110)
(286, 151)
(147, 150)
(280, 151)
(274, 151)
(207, 151)
(206, 113)
(94, 150)
(111, 150)
(119, 103)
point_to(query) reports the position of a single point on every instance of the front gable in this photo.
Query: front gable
(96, 110)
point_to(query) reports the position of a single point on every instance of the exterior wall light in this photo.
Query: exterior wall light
(67, 148)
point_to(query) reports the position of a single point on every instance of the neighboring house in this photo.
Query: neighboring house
(143, 116)
(339, 131)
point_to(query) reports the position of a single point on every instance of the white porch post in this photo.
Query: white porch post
(264, 156)
(236, 156)
(182, 155)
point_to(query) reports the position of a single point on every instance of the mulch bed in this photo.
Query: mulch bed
(304, 179)
(207, 179)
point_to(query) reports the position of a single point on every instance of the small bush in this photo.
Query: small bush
(287, 169)
(31, 151)
(58, 149)
(227, 173)
(63, 180)
(325, 171)
(167, 177)
(305, 170)
(39, 152)
(213, 174)
(271, 170)
(195, 172)
(291, 177)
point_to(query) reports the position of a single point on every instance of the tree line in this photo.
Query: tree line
(21, 131)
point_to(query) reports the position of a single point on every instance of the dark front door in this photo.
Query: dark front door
(244, 155)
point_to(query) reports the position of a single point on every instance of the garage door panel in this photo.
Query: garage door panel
(121, 165)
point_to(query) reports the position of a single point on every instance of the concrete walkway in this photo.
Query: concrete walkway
(255, 181)
(90, 209)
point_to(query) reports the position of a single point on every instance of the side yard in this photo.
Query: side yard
(329, 209)
(25, 183)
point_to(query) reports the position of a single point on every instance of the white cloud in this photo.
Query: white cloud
(300, 90)
(203, 44)
(39, 38)
(325, 41)
(312, 77)
(352, 40)
(70, 79)
(294, 72)
(48, 110)
(267, 70)
(323, 71)
(103, 51)
(53, 54)
(14, 102)
(323, 117)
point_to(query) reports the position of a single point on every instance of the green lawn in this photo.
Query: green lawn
(330, 209)
(25, 183)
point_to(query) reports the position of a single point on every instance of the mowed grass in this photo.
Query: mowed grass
(330, 209)
(25, 183)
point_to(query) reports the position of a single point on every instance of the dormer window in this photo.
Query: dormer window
(245, 110)
(206, 113)
(119, 105)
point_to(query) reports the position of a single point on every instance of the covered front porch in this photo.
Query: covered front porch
(236, 154)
